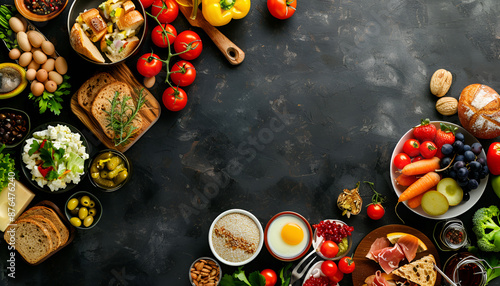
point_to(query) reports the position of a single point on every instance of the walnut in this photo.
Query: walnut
(350, 202)
(440, 82)
(447, 105)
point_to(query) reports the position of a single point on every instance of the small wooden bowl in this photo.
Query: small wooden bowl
(23, 10)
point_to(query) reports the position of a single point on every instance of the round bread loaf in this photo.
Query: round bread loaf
(479, 111)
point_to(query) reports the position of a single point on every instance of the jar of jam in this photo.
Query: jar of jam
(465, 269)
(452, 236)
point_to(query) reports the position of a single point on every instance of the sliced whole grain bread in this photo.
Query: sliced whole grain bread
(54, 233)
(420, 271)
(102, 105)
(32, 240)
(53, 217)
(88, 91)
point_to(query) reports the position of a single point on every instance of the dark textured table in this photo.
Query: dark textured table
(317, 105)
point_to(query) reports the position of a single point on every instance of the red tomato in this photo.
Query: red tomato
(337, 277)
(169, 11)
(282, 9)
(148, 65)
(329, 268)
(183, 73)
(418, 158)
(375, 211)
(428, 149)
(174, 99)
(329, 249)
(188, 40)
(493, 158)
(270, 275)
(346, 265)
(159, 38)
(146, 3)
(401, 160)
(411, 147)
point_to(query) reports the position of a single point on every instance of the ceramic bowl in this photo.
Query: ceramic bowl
(204, 260)
(275, 243)
(453, 211)
(317, 241)
(22, 128)
(105, 184)
(237, 223)
(30, 15)
(73, 214)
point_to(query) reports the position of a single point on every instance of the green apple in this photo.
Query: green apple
(495, 183)
(434, 203)
(451, 190)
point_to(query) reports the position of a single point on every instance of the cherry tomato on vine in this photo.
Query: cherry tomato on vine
(337, 277)
(159, 38)
(270, 275)
(146, 3)
(329, 249)
(411, 147)
(184, 41)
(183, 73)
(428, 149)
(174, 99)
(401, 160)
(168, 14)
(148, 65)
(282, 9)
(346, 265)
(375, 211)
(329, 268)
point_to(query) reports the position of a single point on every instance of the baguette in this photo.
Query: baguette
(130, 21)
(82, 44)
(96, 24)
(88, 91)
(420, 271)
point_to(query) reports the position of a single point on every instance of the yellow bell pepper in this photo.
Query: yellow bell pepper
(220, 12)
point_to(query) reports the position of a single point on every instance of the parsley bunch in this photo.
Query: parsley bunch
(6, 167)
(50, 156)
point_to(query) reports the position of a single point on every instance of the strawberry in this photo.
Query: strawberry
(425, 131)
(445, 135)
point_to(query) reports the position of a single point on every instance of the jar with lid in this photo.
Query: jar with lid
(465, 269)
(452, 236)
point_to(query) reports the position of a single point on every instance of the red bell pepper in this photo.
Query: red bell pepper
(493, 158)
(44, 171)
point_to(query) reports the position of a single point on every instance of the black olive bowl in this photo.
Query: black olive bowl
(80, 6)
(78, 196)
(126, 162)
(26, 131)
(27, 172)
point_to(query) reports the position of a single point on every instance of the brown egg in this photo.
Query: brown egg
(35, 38)
(61, 65)
(149, 81)
(37, 88)
(48, 48)
(42, 75)
(50, 86)
(57, 78)
(25, 59)
(39, 57)
(22, 40)
(33, 65)
(14, 54)
(16, 25)
(49, 65)
(30, 74)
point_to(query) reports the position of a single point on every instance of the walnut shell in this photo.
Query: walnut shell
(447, 105)
(440, 82)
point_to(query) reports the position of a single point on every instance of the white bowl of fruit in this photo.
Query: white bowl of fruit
(451, 175)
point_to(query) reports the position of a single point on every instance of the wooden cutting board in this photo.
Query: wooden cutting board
(366, 267)
(150, 112)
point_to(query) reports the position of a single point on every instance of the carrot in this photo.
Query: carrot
(421, 167)
(423, 184)
(416, 201)
(405, 181)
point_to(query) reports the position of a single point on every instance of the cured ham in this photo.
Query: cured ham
(377, 245)
(379, 279)
(409, 245)
(390, 257)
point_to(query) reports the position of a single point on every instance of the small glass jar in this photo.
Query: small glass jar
(465, 269)
(452, 236)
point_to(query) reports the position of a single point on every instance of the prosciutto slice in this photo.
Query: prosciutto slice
(379, 279)
(409, 245)
(377, 245)
(390, 257)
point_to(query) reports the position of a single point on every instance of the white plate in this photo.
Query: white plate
(315, 266)
(454, 211)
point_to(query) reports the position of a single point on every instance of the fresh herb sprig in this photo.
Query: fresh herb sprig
(6, 168)
(122, 115)
(50, 156)
(52, 101)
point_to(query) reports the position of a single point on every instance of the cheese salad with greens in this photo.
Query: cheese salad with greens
(55, 157)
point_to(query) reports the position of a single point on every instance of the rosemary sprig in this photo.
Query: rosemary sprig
(121, 116)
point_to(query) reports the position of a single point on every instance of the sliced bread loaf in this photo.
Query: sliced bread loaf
(33, 241)
(420, 271)
(54, 233)
(91, 87)
(52, 216)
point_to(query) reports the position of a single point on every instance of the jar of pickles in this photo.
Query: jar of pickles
(465, 269)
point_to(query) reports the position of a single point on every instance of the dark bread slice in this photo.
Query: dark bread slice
(47, 223)
(53, 217)
(32, 239)
(88, 91)
(102, 104)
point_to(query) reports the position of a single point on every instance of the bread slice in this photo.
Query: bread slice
(102, 104)
(88, 91)
(54, 233)
(130, 21)
(32, 240)
(127, 50)
(420, 271)
(52, 216)
(96, 24)
(128, 6)
(82, 44)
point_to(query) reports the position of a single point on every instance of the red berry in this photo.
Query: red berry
(425, 131)
(445, 135)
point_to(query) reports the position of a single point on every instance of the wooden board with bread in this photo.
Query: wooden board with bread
(92, 100)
